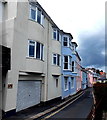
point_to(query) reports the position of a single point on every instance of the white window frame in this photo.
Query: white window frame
(34, 8)
(35, 50)
(67, 41)
(65, 84)
(36, 11)
(56, 32)
(65, 62)
(56, 55)
(60, 37)
(69, 62)
(42, 19)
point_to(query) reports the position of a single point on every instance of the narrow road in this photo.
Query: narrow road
(79, 108)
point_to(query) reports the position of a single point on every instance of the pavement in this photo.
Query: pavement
(42, 110)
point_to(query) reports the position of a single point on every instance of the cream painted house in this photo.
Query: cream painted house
(35, 43)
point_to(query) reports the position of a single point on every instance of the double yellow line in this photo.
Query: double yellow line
(60, 108)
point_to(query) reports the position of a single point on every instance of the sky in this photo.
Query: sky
(85, 20)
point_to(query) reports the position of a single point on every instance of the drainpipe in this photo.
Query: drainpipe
(47, 62)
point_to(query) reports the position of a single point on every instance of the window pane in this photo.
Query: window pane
(65, 58)
(37, 50)
(31, 48)
(57, 35)
(65, 41)
(58, 60)
(54, 34)
(72, 66)
(41, 52)
(65, 65)
(54, 59)
(33, 14)
(39, 16)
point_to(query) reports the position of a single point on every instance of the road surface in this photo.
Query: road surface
(79, 108)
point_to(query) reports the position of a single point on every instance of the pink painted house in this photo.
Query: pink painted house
(79, 74)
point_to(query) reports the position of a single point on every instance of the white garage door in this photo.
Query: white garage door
(28, 94)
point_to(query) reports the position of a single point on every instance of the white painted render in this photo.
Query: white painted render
(17, 31)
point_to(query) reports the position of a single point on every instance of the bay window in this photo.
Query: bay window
(36, 14)
(35, 49)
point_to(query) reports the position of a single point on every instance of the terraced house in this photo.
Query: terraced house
(35, 44)
(71, 66)
(42, 61)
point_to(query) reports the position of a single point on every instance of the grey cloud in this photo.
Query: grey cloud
(90, 49)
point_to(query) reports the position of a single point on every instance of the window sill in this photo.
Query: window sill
(56, 40)
(72, 87)
(67, 70)
(65, 90)
(74, 72)
(56, 65)
(66, 47)
(36, 22)
(34, 58)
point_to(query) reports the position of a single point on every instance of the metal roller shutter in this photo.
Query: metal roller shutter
(28, 94)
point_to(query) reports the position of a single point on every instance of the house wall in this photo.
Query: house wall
(84, 79)
(67, 73)
(54, 46)
(18, 29)
(90, 79)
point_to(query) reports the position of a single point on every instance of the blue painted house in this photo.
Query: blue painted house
(68, 66)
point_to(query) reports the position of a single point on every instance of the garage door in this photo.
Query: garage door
(28, 94)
